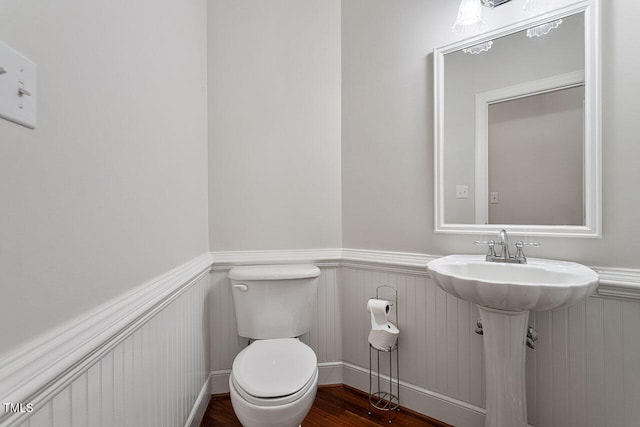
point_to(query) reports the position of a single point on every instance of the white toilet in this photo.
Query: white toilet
(273, 381)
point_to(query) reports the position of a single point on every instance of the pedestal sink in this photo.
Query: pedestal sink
(504, 293)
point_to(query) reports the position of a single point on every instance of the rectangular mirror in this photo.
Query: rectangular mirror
(517, 128)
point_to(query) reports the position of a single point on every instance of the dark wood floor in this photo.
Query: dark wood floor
(334, 406)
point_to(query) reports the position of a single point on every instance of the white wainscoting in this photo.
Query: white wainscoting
(152, 357)
(585, 370)
(140, 361)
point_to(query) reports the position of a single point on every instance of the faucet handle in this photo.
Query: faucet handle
(520, 253)
(491, 243)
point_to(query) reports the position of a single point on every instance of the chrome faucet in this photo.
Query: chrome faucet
(505, 254)
(503, 240)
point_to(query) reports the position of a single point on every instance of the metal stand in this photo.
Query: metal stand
(379, 399)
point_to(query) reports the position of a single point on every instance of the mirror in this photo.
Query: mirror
(517, 129)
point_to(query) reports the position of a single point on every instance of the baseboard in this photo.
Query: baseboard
(329, 373)
(200, 406)
(219, 381)
(417, 399)
(423, 401)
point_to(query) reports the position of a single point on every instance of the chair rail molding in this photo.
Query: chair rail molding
(614, 282)
(225, 260)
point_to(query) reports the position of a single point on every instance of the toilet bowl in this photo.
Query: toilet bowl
(273, 383)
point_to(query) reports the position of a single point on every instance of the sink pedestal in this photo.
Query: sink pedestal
(510, 290)
(504, 348)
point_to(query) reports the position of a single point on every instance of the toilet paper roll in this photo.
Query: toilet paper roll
(384, 339)
(379, 310)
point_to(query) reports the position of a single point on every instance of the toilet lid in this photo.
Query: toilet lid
(275, 367)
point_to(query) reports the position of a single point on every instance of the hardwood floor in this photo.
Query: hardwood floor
(334, 406)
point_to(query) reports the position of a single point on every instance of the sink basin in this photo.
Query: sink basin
(538, 285)
(504, 294)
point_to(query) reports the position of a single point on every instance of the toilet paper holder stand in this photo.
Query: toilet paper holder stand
(378, 399)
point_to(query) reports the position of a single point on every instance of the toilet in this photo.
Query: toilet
(273, 380)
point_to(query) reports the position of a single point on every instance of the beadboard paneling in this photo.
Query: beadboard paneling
(585, 370)
(437, 348)
(152, 376)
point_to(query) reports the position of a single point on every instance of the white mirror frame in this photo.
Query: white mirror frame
(592, 131)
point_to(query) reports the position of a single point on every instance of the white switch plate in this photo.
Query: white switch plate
(493, 197)
(462, 191)
(17, 87)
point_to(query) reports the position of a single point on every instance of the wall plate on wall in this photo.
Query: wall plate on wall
(17, 87)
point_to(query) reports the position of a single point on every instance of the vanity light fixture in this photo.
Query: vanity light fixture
(470, 14)
(494, 3)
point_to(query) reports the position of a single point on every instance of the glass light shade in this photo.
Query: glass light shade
(532, 5)
(543, 29)
(479, 48)
(469, 17)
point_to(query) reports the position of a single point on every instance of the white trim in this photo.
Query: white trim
(39, 369)
(614, 282)
(405, 261)
(399, 262)
(330, 373)
(200, 405)
(220, 381)
(223, 260)
(622, 283)
(439, 406)
(444, 408)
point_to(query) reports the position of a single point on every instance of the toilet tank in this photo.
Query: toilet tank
(274, 301)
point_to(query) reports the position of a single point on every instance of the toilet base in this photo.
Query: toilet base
(288, 415)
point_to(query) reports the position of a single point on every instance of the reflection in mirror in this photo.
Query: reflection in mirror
(544, 130)
(516, 140)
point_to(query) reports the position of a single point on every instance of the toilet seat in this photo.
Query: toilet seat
(275, 401)
(275, 371)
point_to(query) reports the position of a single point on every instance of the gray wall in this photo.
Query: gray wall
(274, 124)
(110, 190)
(387, 132)
(536, 161)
